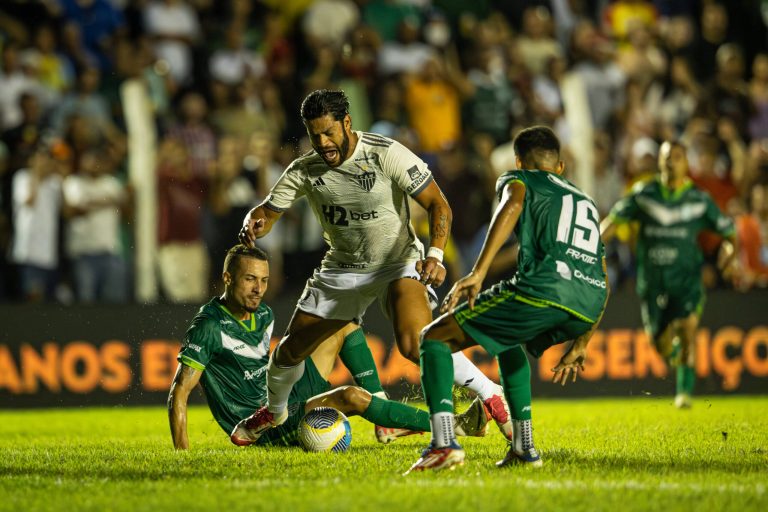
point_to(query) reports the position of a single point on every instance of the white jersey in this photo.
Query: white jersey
(362, 204)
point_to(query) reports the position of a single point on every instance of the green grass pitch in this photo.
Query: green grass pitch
(599, 454)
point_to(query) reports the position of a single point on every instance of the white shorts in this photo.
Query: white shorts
(337, 294)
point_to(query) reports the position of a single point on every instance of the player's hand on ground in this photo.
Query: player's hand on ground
(432, 272)
(570, 365)
(467, 287)
(253, 225)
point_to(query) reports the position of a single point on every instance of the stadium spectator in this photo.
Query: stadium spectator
(195, 133)
(232, 63)
(752, 231)
(94, 203)
(181, 198)
(758, 94)
(14, 81)
(433, 99)
(36, 213)
(536, 44)
(99, 22)
(175, 29)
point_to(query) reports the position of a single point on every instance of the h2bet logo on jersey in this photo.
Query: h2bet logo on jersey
(340, 216)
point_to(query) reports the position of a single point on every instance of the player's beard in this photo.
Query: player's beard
(342, 151)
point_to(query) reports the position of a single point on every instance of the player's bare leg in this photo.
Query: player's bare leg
(409, 309)
(304, 335)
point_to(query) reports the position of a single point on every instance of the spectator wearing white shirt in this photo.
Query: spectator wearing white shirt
(94, 200)
(174, 27)
(36, 203)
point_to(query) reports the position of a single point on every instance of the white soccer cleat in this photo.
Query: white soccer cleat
(386, 435)
(683, 401)
(249, 430)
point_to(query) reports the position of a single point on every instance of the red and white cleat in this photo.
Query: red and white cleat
(499, 410)
(249, 430)
(447, 457)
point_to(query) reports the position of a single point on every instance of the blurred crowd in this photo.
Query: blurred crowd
(453, 80)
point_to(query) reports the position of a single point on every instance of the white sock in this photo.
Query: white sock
(522, 437)
(280, 381)
(442, 429)
(467, 375)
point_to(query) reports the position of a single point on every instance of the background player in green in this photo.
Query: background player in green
(226, 349)
(672, 212)
(557, 294)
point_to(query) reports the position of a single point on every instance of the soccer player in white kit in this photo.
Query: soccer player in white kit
(358, 184)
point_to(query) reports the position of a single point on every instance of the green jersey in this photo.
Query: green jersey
(668, 254)
(561, 255)
(233, 355)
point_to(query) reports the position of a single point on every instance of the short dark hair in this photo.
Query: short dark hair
(535, 145)
(325, 102)
(242, 251)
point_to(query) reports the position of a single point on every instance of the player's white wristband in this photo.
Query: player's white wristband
(435, 252)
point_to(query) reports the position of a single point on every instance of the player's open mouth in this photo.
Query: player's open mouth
(330, 154)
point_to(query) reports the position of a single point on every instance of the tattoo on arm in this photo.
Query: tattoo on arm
(441, 227)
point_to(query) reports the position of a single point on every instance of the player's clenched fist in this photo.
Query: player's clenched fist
(432, 272)
(254, 225)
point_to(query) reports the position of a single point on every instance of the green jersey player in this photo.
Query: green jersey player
(226, 350)
(558, 294)
(671, 213)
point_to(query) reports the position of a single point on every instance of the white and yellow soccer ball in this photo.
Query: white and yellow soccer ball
(325, 429)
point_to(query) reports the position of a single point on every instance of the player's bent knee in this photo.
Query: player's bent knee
(355, 399)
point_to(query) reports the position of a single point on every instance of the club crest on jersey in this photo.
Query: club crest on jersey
(366, 180)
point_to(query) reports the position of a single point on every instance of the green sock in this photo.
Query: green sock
(357, 357)
(437, 376)
(686, 379)
(515, 374)
(389, 413)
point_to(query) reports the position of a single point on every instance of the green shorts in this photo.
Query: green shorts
(309, 385)
(502, 319)
(659, 309)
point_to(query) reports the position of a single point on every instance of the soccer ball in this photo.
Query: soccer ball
(325, 430)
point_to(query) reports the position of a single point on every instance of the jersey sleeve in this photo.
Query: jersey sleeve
(201, 343)
(625, 209)
(507, 178)
(288, 188)
(717, 221)
(406, 169)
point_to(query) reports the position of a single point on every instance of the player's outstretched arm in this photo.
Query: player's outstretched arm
(502, 224)
(573, 360)
(433, 201)
(607, 229)
(184, 382)
(257, 223)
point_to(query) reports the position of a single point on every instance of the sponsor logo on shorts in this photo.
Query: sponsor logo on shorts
(351, 265)
(588, 279)
(226, 322)
(196, 348)
(363, 374)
